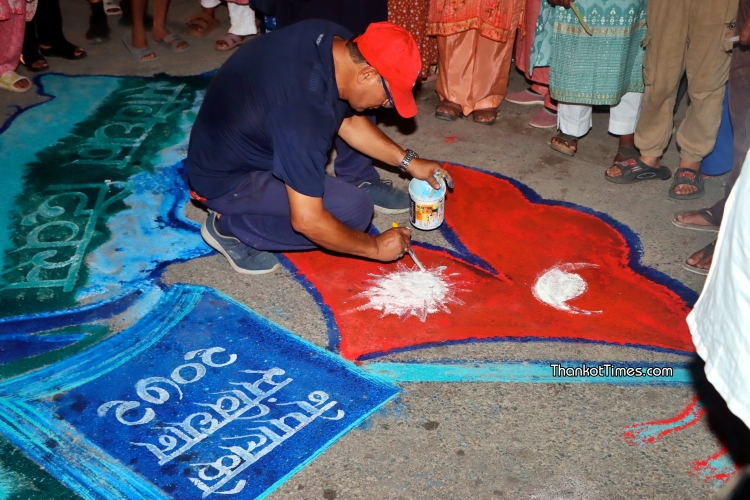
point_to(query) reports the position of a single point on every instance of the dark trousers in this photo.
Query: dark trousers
(46, 27)
(257, 211)
(739, 108)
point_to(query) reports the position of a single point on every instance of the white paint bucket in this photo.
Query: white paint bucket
(426, 211)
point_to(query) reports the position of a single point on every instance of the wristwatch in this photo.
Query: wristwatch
(410, 155)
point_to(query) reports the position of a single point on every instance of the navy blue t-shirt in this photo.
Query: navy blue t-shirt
(273, 106)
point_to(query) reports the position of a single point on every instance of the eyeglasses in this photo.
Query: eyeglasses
(390, 103)
(387, 94)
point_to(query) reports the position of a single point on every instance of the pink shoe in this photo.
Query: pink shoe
(544, 118)
(525, 98)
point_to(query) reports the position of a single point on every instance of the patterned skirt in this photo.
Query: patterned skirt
(595, 69)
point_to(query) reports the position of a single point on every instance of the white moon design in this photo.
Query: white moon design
(557, 285)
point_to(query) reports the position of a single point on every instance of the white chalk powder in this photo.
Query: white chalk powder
(556, 286)
(410, 292)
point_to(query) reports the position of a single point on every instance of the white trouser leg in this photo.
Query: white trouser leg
(242, 18)
(573, 119)
(624, 116)
(210, 4)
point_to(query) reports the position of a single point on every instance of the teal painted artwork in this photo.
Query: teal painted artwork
(92, 203)
(95, 188)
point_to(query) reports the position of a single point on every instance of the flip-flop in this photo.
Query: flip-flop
(231, 40)
(634, 170)
(568, 142)
(172, 42)
(491, 113)
(111, 8)
(708, 250)
(199, 26)
(448, 110)
(691, 178)
(136, 53)
(704, 214)
(8, 82)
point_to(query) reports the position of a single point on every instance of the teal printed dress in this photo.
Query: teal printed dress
(593, 69)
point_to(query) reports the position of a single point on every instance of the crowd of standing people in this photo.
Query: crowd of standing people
(627, 55)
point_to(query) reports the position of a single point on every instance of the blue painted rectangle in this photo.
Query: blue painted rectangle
(204, 399)
(516, 371)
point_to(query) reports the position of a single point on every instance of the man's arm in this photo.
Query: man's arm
(322, 228)
(364, 136)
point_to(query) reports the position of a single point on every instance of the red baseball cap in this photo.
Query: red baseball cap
(392, 51)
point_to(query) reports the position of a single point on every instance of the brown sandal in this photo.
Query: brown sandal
(448, 110)
(200, 25)
(490, 113)
(566, 144)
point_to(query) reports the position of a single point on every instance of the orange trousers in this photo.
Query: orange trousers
(473, 70)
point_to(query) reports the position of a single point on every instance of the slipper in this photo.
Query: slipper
(568, 142)
(691, 178)
(708, 251)
(111, 8)
(490, 113)
(136, 53)
(705, 214)
(625, 153)
(634, 170)
(172, 42)
(448, 110)
(544, 118)
(199, 26)
(8, 82)
(28, 61)
(525, 98)
(231, 40)
(64, 49)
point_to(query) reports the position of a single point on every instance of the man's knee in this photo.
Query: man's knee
(354, 208)
(362, 210)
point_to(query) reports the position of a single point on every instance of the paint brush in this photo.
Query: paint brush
(411, 252)
(442, 172)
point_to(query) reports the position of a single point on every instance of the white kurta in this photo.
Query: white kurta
(720, 322)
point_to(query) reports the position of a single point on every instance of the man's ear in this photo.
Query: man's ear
(366, 75)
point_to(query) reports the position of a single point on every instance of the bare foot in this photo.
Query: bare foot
(695, 218)
(688, 188)
(703, 257)
(651, 161)
(23, 83)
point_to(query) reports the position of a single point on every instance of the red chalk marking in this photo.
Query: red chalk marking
(520, 239)
(718, 467)
(451, 139)
(643, 433)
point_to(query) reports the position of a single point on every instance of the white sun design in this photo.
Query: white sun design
(411, 292)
